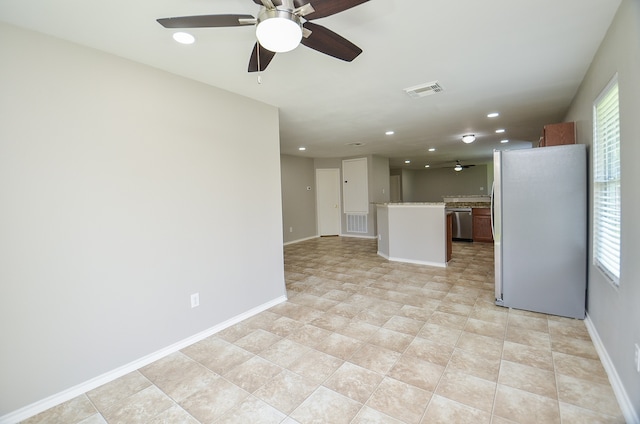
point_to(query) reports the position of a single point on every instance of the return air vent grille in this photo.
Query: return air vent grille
(357, 223)
(423, 90)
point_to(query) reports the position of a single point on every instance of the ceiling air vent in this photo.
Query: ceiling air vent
(424, 89)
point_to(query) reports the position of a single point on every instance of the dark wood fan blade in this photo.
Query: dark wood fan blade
(327, 7)
(265, 58)
(328, 42)
(204, 21)
(275, 2)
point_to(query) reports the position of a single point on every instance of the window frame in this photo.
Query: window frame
(606, 180)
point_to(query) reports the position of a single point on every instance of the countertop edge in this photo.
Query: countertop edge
(414, 204)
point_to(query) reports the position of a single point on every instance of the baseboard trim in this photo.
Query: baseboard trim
(412, 261)
(68, 394)
(630, 414)
(357, 236)
(300, 240)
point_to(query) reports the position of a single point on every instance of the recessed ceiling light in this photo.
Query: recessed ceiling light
(468, 138)
(184, 38)
(500, 130)
(390, 133)
(504, 141)
(493, 115)
(302, 148)
(432, 149)
(426, 166)
(407, 161)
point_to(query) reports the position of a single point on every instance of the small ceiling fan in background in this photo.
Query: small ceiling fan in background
(459, 167)
(280, 26)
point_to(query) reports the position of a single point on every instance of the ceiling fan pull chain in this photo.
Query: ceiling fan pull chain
(259, 70)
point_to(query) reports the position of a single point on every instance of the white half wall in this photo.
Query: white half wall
(120, 198)
(413, 233)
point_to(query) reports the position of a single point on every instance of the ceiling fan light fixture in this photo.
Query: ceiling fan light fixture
(468, 138)
(184, 37)
(458, 167)
(278, 31)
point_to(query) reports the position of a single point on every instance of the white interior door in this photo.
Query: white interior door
(355, 190)
(328, 201)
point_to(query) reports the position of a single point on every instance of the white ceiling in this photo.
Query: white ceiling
(522, 58)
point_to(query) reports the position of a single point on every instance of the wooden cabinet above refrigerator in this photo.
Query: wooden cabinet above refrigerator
(558, 134)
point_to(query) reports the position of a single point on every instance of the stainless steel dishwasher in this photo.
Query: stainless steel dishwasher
(462, 224)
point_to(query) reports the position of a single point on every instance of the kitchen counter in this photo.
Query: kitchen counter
(466, 198)
(468, 204)
(413, 232)
(467, 201)
(413, 203)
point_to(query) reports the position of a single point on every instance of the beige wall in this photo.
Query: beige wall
(120, 198)
(430, 185)
(615, 312)
(378, 186)
(298, 203)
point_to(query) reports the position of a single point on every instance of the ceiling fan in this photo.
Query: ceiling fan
(280, 26)
(459, 167)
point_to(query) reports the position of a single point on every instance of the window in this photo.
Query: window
(606, 182)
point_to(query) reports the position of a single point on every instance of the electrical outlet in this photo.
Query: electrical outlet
(291, 229)
(637, 358)
(195, 300)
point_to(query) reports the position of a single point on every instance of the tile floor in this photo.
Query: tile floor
(365, 340)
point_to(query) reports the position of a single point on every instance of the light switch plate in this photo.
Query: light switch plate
(195, 300)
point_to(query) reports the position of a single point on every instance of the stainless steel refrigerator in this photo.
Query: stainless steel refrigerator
(539, 202)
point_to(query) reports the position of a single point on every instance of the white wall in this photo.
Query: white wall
(615, 312)
(118, 200)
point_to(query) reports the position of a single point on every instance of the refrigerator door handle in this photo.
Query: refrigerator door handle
(496, 224)
(493, 230)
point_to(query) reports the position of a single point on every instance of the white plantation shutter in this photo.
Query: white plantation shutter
(606, 182)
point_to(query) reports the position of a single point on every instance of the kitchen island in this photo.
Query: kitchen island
(413, 232)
